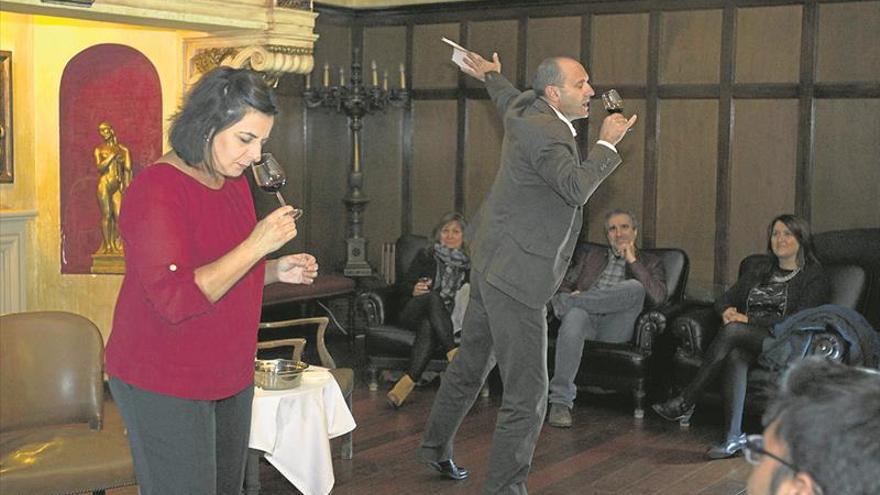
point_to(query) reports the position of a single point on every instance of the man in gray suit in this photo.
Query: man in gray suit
(522, 242)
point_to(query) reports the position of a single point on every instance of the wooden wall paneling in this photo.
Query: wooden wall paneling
(848, 42)
(387, 46)
(725, 128)
(690, 46)
(624, 188)
(434, 162)
(768, 44)
(806, 109)
(551, 37)
(686, 168)
(650, 123)
(495, 36)
(846, 175)
(383, 167)
(482, 152)
(432, 68)
(619, 49)
(329, 154)
(762, 175)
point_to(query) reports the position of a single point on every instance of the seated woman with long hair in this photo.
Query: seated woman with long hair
(789, 280)
(431, 282)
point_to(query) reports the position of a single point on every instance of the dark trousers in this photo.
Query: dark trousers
(496, 328)
(735, 348)
(186, 447)
(427, 317)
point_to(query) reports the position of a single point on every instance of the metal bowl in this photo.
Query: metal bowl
(278, 374)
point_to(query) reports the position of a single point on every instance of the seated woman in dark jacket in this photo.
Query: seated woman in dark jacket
(431, 282)
(789, 281)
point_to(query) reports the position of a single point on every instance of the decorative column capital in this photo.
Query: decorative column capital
(284, 45)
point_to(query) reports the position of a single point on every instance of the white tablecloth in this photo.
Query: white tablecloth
(294, 427)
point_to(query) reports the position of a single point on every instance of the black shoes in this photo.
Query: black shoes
(675, 409)
(730, 448)
(450, 470)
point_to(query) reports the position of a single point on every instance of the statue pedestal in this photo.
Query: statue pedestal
(108, 263)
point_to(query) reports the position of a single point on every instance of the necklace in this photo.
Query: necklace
(780, 278)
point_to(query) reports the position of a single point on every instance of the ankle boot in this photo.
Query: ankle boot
(397, 395)
(675, 409)
(450, 354)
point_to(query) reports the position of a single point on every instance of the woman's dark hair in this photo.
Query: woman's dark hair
(800, 229)
(218, 100)
(452, 216)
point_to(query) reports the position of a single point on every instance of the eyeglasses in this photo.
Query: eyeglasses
(754, 452)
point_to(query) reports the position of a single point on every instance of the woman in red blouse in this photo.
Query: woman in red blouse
(181, 353)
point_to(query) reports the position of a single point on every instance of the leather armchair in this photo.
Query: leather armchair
(53, 439)
(627, 366)
(388, 344)
(695, 329)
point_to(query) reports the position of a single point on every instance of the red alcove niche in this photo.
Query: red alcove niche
(103, 83)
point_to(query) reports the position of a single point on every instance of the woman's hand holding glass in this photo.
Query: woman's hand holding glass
(423, 286)
(274, 231)
(300, 268)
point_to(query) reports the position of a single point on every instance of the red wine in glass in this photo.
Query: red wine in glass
(612, 101)
(270, 177)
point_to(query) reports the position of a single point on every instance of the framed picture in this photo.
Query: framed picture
(6, 116)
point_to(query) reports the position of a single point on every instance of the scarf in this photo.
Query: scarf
(452, 268)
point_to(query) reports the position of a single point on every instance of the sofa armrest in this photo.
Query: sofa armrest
(654, 322)
(373, 308)
(695, 329)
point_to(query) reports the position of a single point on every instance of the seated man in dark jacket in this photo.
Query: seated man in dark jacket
(600, 298)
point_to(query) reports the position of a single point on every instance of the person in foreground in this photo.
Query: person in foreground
(181, 353)
(789, 280)
(600, 298)
(523, 239)
(820, 435)
(432, 281)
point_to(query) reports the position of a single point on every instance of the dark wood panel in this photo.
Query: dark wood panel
(686, 173)
(434, 162)
(848, 42)
(482, 152)
(551, 37)
(619, 49)
(768, 44)
(690, 46)
(387, 47)
(763, 171)
(431, 65)
(623, 189)
(494, 36)
(383, 169)
(846, 176)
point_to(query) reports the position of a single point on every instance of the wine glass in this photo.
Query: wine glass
(269, 175)
(612, 101)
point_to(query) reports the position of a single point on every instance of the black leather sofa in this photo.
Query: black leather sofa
(851, 259)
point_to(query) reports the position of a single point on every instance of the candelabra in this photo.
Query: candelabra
(356, 101)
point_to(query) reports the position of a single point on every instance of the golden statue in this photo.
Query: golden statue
(114, 166)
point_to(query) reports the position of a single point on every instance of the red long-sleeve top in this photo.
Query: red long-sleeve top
(167, 337)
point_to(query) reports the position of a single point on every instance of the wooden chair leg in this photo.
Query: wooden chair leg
(639, 399)
(252, 473)
(374, 379)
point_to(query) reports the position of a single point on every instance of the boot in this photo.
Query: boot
(450, 354)
(676, 409)
(397, 395)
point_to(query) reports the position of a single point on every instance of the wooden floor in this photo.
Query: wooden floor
(606, 452)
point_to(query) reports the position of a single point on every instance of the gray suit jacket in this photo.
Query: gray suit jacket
(525, 232)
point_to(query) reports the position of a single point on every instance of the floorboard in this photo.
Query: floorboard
(606, 452)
